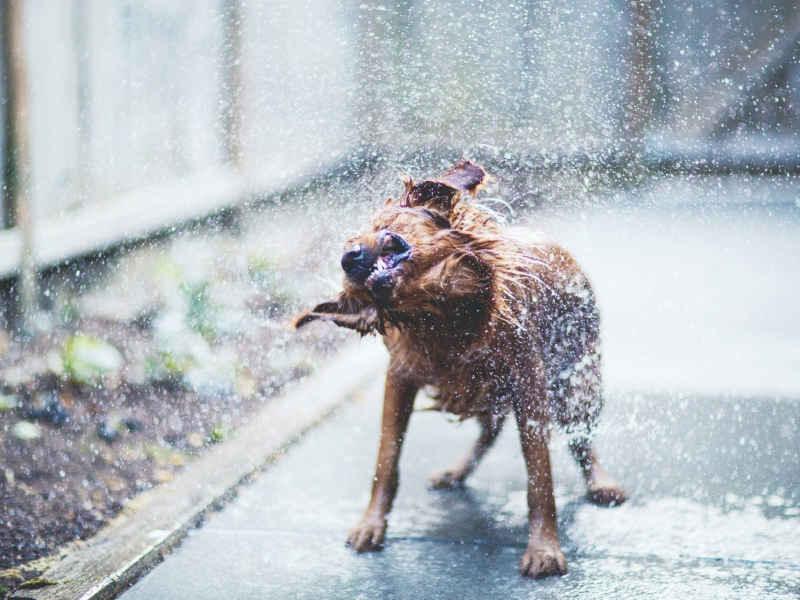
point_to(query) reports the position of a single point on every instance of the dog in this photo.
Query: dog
(490, 325)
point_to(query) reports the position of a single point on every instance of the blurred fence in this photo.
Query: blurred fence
(144, 113)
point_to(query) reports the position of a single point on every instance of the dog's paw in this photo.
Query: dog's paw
(446, 480)
(606, 495)
(539, 563)
(367, 536)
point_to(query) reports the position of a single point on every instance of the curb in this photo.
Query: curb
(155, 522)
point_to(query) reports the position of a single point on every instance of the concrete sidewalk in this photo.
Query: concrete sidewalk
(714, 487)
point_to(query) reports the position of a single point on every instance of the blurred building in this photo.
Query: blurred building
(143, 114)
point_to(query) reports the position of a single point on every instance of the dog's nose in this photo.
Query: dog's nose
(354, 262)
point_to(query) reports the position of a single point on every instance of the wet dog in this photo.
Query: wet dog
(490, 325)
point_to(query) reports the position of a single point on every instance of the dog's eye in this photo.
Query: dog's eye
(393, 245)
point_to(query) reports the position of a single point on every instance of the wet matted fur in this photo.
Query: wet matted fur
(489, 324)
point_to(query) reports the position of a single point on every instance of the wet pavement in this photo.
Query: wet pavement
(695, 296)
(714, 485)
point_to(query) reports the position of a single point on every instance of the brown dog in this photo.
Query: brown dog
(488, 322)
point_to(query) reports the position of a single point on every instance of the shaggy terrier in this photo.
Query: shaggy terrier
(489, 324)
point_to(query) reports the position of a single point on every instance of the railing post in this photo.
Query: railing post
(19, 157)
(639, 85)
(379, 46)
(234, 119)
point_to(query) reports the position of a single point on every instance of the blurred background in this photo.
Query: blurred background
(179, 178)
(126, 117)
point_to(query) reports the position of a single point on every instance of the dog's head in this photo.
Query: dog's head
(408, 259)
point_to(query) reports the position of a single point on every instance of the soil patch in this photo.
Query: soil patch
(86, 451)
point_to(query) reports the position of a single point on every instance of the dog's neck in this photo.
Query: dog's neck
(457, 324)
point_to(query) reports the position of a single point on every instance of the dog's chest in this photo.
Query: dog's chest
(481, 385)
(463, 379)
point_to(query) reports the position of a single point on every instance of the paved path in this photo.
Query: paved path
(712, 515)
(694, 297)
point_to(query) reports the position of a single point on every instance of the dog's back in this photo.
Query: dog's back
(555, 316)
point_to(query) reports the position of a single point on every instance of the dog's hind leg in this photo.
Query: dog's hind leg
(454, 477)
(601, 489)
(576, 402)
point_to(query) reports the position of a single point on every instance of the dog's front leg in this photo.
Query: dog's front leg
(543, 556)
(398, 402)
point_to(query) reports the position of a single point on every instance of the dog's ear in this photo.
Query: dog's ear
(444, 193)
(433, 195)
(465, 176)
(345, 312)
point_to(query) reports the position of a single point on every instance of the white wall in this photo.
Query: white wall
(130, 93)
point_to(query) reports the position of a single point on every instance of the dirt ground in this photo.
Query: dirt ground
(103, 446)
(146, 357)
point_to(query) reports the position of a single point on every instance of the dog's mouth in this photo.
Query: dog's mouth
(394, 250)
(380, 267)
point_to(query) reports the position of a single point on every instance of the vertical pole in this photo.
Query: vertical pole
(639, 88)
(379, 47)
(81, 33)
(234, 119)
(19, 148)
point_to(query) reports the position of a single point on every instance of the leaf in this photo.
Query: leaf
(87, 359)
(7, 402)
(36, 583)
(25, 430)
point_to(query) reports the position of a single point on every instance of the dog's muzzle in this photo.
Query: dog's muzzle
(372, 267)
(357, 262)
